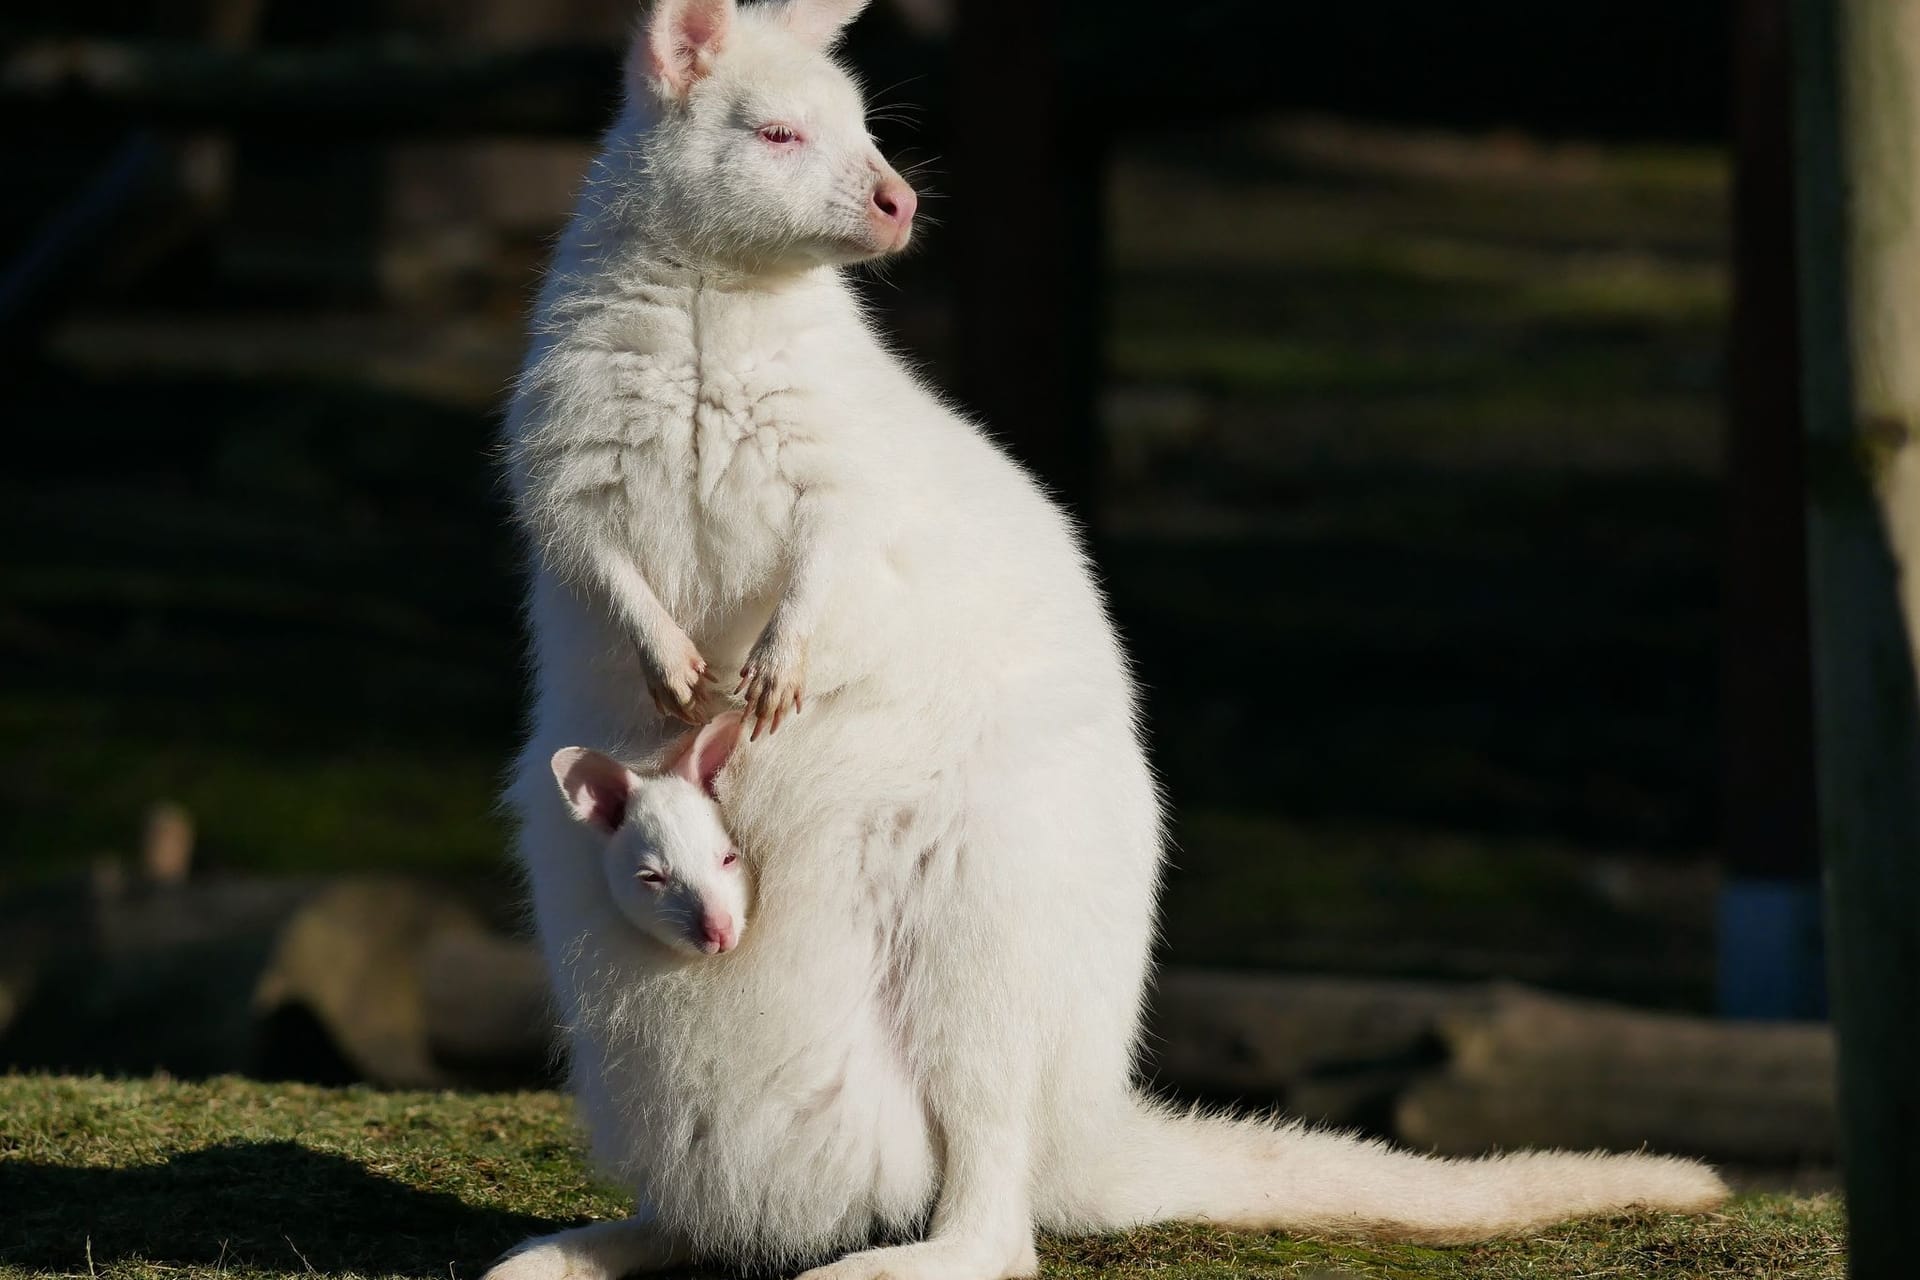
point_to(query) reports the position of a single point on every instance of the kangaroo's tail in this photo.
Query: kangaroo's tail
(1165, 1165)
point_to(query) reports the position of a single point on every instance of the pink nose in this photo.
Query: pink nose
(717, 933)
(893, 204)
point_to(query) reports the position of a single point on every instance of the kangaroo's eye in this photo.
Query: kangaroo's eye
(779, 135)
(651, 878)
(731, 858)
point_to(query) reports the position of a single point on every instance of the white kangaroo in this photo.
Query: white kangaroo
(924, 1048)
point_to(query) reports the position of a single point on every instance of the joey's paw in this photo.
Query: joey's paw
(773, 682)
(679, 684)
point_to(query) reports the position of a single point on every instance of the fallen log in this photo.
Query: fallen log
(350, 964)
(488, 1014)
(406, 983)
(1527, 1069)
(125, 978)
(285, 978)
(1328, 1049)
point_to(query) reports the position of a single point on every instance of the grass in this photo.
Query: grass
(138, 1180)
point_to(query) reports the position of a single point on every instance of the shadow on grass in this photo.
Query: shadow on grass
(252, 1205)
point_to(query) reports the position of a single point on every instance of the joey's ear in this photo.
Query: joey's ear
(706, 754)
(820, 22)
(597, 786)
(678, 41)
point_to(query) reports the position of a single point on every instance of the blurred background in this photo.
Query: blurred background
(1386, 351)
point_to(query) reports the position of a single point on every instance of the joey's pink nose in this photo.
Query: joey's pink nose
(893, 207)
(717, 933)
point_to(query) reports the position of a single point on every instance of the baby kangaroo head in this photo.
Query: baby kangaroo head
(670, 865)
(755, 143)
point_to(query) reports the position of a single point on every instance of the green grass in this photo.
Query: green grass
(1247, 891)
(1423, 300)
(139, 1180)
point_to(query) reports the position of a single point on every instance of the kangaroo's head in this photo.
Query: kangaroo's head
(752, 141)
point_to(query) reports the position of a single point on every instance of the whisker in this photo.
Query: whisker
(897, 84)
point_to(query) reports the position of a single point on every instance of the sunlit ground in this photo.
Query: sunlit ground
(134, 1180)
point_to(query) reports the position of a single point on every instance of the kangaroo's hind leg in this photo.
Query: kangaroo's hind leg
(982, 984)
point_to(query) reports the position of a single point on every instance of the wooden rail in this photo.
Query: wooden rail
(385, 90)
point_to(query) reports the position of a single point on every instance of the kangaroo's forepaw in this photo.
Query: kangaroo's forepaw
(679, 683)
(773, 683)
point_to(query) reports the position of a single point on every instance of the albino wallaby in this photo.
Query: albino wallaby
(669, 863)
(924, 1049)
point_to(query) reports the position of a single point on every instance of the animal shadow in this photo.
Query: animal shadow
(274, 1206)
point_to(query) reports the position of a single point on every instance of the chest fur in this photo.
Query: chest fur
(681, 422)
(707, 442)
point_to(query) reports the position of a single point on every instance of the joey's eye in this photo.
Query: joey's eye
(779, 135)
(730, 859)
(651, 878)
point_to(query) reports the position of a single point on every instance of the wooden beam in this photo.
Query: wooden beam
(1857, 71)
(354, 90)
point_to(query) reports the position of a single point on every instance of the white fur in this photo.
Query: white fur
(929, 1034)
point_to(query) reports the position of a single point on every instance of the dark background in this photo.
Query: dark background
(1381, 347)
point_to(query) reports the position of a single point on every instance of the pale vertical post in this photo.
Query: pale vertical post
(1857, 68)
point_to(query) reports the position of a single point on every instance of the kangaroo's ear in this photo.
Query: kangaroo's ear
(707, 752)
(597, 786)
(678, 41)
(820, 22)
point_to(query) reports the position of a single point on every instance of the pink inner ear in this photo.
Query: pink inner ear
(709, 751)
(597, 787)
(681, 39)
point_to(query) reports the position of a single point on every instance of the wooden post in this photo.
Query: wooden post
(1769, 952)
(1857, 70)
(1027, 241)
